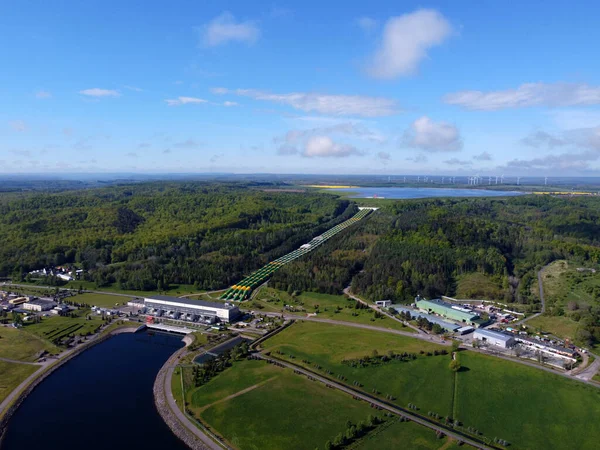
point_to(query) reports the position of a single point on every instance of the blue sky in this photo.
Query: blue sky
(379, 87)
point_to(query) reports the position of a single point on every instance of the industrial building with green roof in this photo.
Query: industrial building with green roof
(449, 311)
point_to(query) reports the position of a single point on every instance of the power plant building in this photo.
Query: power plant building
(190, 310)
(496, 338)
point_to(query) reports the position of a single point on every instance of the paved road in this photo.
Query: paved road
(182, 417)
(423, 336)
(380, 404)
(381, 311)
(588, 373)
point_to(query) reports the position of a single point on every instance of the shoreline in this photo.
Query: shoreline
(48, 370)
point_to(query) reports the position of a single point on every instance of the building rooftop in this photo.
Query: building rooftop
(187, 301)
(40, 301)
(494, 334)
(448, 308)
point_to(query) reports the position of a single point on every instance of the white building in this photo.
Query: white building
(38, 305)
(192, 310)
(495, 338)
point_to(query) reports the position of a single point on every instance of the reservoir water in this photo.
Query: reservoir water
(100, 400)
(409, 192)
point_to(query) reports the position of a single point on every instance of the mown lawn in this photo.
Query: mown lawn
(426, 382)
(102, 300)
(287, 412)
(336, 307)
(11, 375)
(558, 325)
(21, 346)
(528, 407)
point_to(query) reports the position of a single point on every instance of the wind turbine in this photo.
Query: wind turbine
(545, 181)
(419, 179)
(489, 180)
(502, 179)
(518, 181)
(496, 179)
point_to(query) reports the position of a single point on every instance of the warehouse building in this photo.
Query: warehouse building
(190, 310)
(497, 338)
(39, 305)
(449, 311)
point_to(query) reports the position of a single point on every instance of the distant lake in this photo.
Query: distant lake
(401, 192)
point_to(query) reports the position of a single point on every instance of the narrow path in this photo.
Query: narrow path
(542, 299)
(15, 361)
(380, 404)
(381, 311)
(588, 373)
(237, 394)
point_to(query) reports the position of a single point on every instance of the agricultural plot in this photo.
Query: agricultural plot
(21, 346)
(13, 374)
(337, 307)
(102, 300)
(425, 381)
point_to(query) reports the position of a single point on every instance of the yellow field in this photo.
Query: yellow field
(563, 193)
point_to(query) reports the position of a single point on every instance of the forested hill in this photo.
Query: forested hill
(151, 235)
(475, 248)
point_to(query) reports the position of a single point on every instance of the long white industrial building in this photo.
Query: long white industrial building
(192, 310)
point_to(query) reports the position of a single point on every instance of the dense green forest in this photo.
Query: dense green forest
(425, 247)
(148, 236)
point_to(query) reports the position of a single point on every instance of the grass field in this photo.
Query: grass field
(102, 300)
(336, 307)
(528, 407)
(21, 346)
(54, 328)
(13, 374)
(427, 382)
(285, 411)
(405, 435)
(570, 290)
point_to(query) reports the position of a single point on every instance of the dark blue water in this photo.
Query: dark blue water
(406, 193)
(100, 400)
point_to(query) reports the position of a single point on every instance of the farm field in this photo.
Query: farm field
(426, 381)
(528, 407)
(336, 307)
(102, 300)
(278, 413)
(558, 325)
(21, 346)
(54, 328)
(13, 374)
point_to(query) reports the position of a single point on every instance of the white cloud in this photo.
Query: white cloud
(133, 88)
(527, 95)
(325, 147)
(188, 143)
(561, 162)
(97, 92)
(405, 42)
(419, 159)
(18, 125)
(43, 95)
(224, 29)
(333, 105)
(484, 156)
(543, 139)
(184, 101)
(228, 104)
(384, 156)
(219, 90)
(432, 136)
(568, 119)
(368, 24)
(457, 162)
